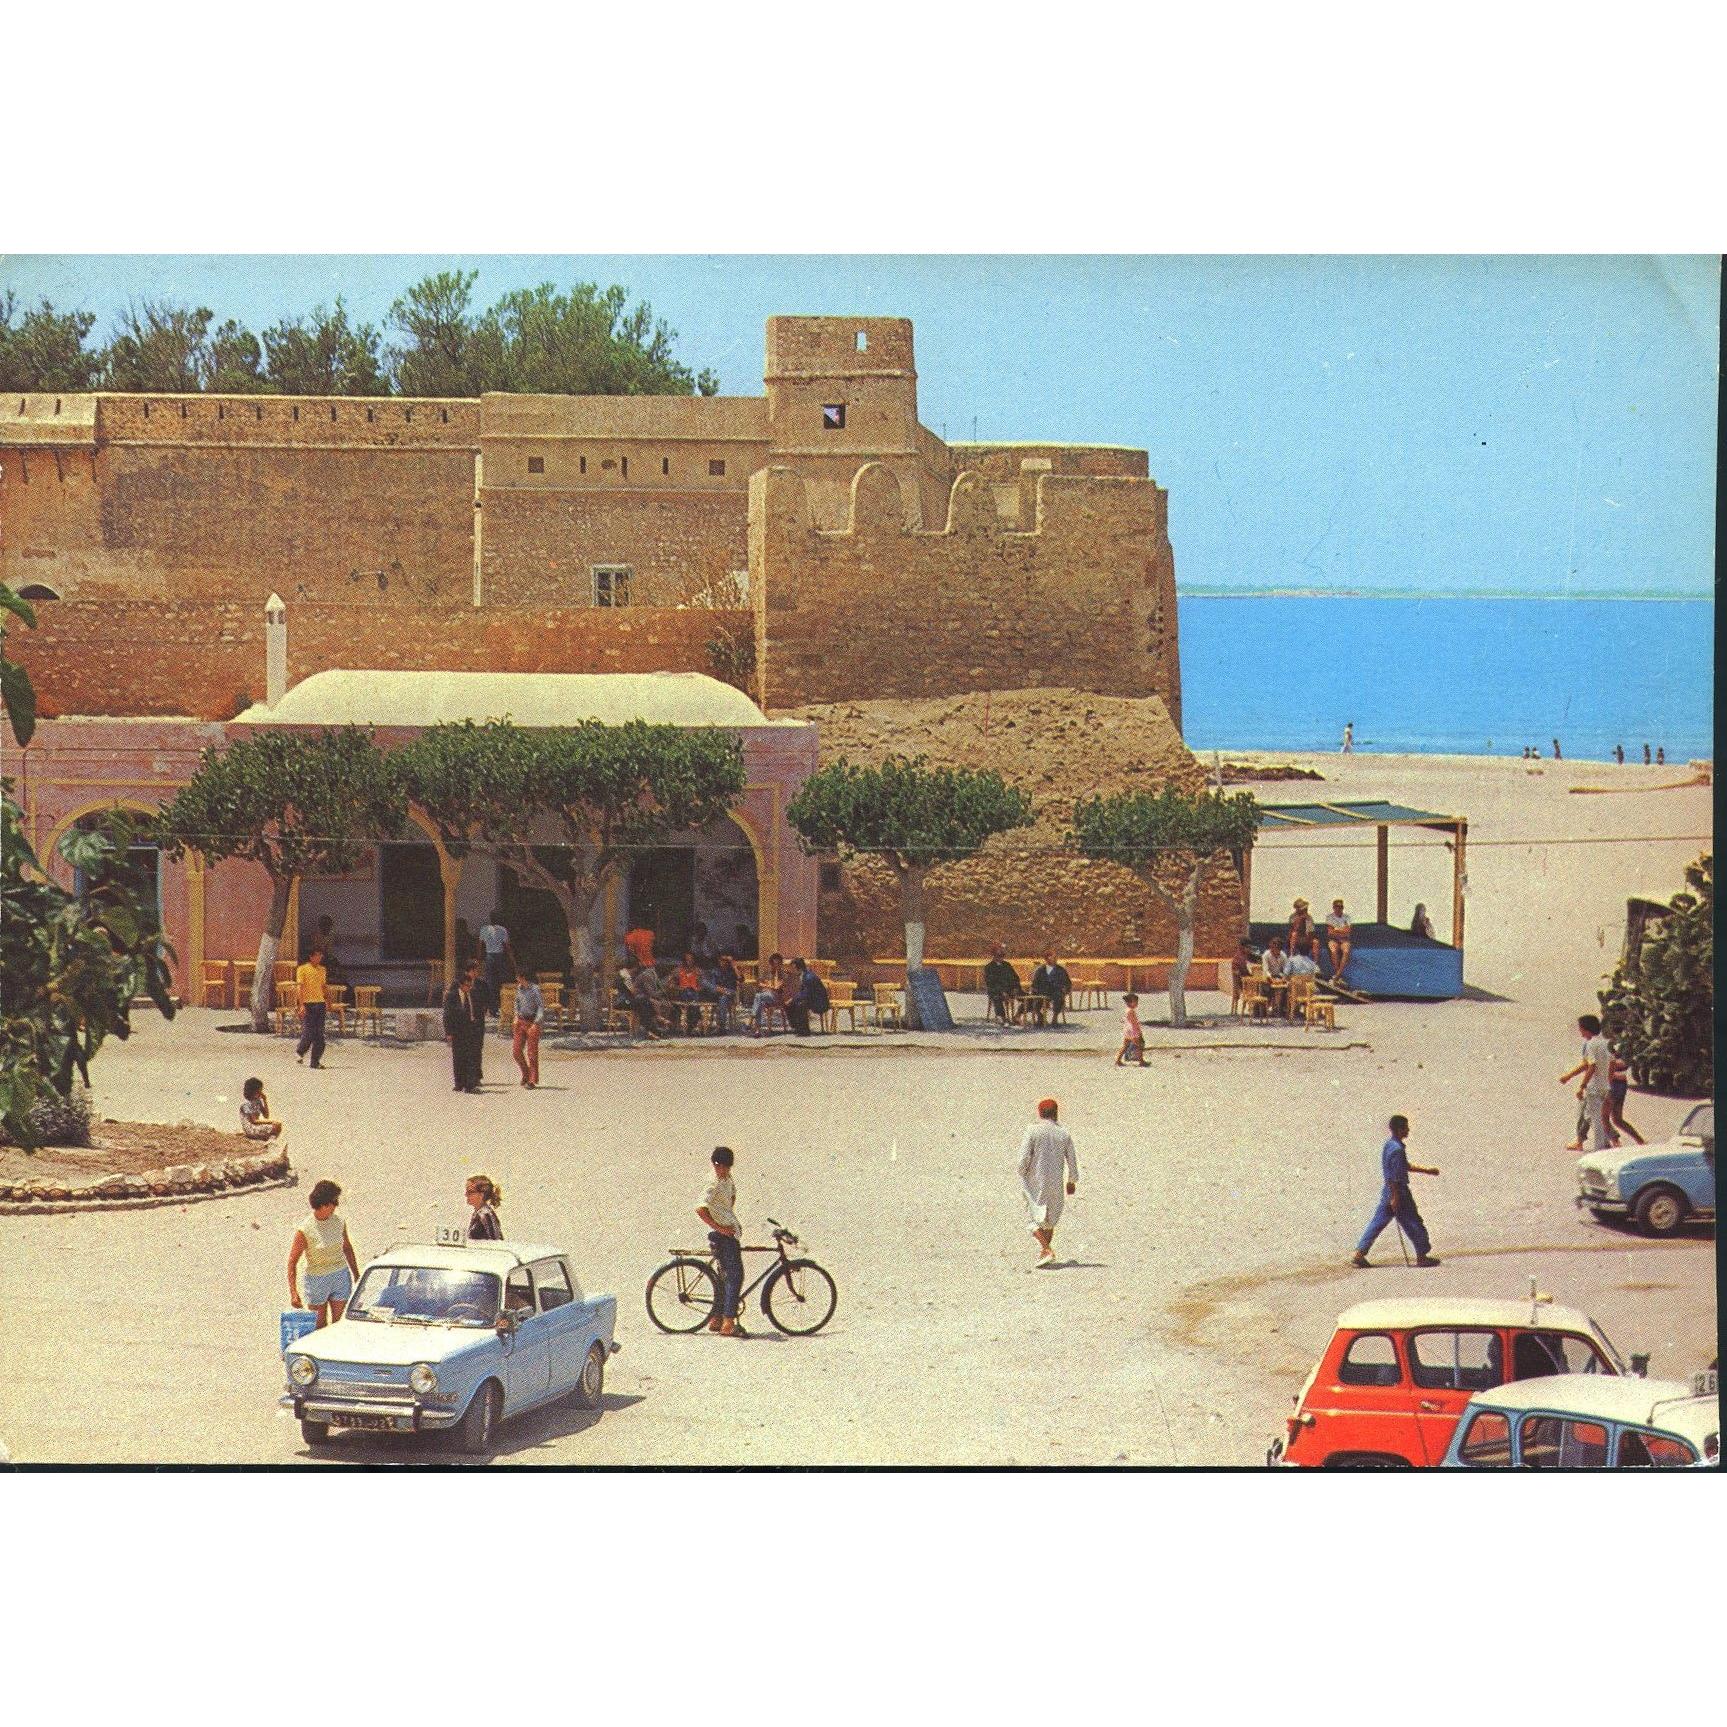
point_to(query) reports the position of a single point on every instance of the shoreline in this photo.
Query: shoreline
(1279, 756)
(1406, 594)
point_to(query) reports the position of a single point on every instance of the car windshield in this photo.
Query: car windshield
(1606, 1343)
(1700, 1123)
(420, 1295)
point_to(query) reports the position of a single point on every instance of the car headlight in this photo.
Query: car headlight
(422, 1378)
(302, 1369)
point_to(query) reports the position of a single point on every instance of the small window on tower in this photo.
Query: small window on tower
(536, 464)
(716, 470)
(863, 341)
(665, 464)
(611, 585)
(833, 416)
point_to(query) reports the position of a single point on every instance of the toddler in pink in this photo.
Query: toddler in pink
(1132, 1035)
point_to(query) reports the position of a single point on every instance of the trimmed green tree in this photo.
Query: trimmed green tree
(470, 784)
(1171, 840)
(1658, 1008)
(70, 965)
(567, 807)
(913, 817)
(297, 803)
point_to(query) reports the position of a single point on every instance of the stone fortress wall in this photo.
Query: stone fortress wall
(863, 557)
(851, 527)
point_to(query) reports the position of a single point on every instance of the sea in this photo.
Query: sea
(1449, 676)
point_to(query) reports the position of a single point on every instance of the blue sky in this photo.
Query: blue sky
(1531, 425)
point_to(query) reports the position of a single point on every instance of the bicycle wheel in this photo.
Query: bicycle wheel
(682, 1295)
(800, 1298)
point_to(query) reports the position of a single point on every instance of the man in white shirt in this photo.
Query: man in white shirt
(1596, 1071)
(1044, 1154)
(1303, 964)
(718, 1210)
(1274, 959)
(500, 962)
(1338, 935)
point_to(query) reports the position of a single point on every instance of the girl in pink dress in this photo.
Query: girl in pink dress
(1132, 1036)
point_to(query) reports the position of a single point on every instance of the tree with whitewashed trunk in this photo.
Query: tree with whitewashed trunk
(567, 807)
(1169, 833)
(913, 817)
(296, 803)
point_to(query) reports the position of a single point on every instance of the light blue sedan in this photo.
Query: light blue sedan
(1659, 1187)
(463, 1335)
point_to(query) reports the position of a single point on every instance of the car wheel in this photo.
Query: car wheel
(590, 1388)
(1661, 1210)
(481, 1421)
(1366, 1460)
(315, 1433)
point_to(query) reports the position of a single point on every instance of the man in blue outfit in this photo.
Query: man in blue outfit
(1395, 1199)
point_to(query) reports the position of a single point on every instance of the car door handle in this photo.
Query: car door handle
(1428, 1406)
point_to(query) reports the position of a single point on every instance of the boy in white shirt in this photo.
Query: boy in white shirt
(718, 1210)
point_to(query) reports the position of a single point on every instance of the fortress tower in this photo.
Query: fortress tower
(842, 392)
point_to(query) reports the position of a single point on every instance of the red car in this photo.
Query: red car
(1396, 1376)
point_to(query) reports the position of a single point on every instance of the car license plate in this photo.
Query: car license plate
(372, 1423)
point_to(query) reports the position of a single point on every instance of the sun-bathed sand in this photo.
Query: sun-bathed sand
(1204, 1258)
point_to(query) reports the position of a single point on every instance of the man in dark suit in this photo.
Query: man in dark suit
(465, 1027)
(1050, 987)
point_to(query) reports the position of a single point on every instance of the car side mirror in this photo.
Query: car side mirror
(507, 1322)
(1640, 1366)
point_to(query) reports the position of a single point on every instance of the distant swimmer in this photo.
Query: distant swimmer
(1349, 739)
(1619, 754)
(1645, 755)
(1556, 755)
(1660, 756)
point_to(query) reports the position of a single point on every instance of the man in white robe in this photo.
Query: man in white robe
(1045, 1154)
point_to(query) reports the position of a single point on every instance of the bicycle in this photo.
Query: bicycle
(798, 1296)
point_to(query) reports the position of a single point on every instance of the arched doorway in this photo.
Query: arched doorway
(706, 880)
(143, 857)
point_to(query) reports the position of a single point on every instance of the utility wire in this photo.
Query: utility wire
(913, 844)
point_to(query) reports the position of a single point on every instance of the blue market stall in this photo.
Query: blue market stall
(1383, 961)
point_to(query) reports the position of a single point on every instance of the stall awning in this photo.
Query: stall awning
(1381, 816)
(1285, 818)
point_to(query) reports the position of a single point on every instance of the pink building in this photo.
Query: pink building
(397, 913)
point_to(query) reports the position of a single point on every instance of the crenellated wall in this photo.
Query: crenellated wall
(173, 497)
(1081, 595)
(881, 560)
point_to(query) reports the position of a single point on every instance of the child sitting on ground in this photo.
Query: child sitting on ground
(1132, 1035)
(255, 1120)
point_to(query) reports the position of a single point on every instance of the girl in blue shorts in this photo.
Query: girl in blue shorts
(331, 1266)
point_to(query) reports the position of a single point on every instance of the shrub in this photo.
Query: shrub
(1659, 1006)
(56, 1120)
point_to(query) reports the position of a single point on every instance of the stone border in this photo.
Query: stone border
(170, 1185)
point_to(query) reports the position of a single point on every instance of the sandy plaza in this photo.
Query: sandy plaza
(1201, 1263)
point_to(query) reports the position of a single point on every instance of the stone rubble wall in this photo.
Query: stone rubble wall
(173, 1182)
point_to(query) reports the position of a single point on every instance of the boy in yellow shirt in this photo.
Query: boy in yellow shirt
(311, 980)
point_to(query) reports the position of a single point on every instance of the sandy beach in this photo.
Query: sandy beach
(1203, 1260)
